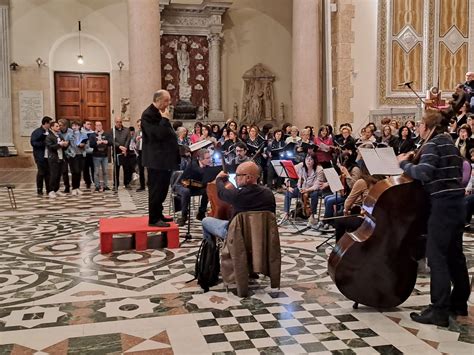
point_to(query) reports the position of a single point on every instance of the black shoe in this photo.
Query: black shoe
(88, 186)
(106, 188)
(40, 192)
(97, 189)
(166, 219)
(431, 316)
(253, 276)
(182, 221)
(140, 189)
(200, 216)
(128, 187)
(160, 224)
(458, 312)
(67, 190)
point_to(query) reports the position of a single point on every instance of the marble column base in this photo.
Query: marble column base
(6, 133)
(216, 115)
(12, 150)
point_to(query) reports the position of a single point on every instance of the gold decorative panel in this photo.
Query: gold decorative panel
(424, 41)
(406, 67)
(407, 13)
(452, 66)
(454, 13)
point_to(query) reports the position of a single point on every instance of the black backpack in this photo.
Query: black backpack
(208, 265)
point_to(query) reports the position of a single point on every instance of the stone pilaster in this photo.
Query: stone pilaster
(215, 111)
(343, 64)
(144, 54)
(307, 59)
(6, 119)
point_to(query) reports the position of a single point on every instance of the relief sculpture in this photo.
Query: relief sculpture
(258, 97)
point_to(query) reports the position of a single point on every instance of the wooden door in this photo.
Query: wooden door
(83, 96)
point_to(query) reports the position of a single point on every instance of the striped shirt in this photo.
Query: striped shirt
(440, 167)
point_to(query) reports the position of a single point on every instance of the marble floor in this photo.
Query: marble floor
(59, 295)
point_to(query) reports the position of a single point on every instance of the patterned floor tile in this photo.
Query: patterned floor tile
(67, 297)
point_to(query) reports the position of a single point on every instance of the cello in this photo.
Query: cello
(376, 265)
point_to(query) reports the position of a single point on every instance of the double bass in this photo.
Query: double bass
(376, 265)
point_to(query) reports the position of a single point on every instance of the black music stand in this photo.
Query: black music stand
(284, 172)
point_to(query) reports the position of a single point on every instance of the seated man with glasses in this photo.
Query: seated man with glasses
(248, 196)
(241, 150)
(192, 183)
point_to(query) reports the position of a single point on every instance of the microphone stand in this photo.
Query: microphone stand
(114, 161)
(408, 85)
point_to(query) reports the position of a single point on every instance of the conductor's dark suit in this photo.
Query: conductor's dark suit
(160, 155)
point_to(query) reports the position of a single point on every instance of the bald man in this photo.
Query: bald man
(469, 89)
(160, 155)
(248, 196)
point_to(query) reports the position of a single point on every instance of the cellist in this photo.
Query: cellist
(440, 171)
(247, 196)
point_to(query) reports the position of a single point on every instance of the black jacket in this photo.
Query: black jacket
(38, 142)
(404, 145)
(100, 150)
(160, 144)
(246, 198)
(52, 143)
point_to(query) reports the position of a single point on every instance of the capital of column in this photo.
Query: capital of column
(214, 39)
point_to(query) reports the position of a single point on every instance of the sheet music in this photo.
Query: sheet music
(290, 169)
(279, 169)
(381, 161)
(390, 161)
(333, 180)
(199, 145)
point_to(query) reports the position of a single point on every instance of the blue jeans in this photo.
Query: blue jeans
(214, 227)
(296, 193)
(100, 162)
(330, 202)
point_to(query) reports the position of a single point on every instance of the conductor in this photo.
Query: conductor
(160, 155)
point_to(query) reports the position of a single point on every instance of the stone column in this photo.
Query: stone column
(144, 54)
(306, 65)
(215, 112)
(6, 118)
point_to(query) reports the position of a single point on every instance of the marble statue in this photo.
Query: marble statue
(258, 99)
(235, 114)
(183, 66)
(125, 108)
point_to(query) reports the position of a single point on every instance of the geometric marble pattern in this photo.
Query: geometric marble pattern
(454, 39)
(59, 295)
(407, 38)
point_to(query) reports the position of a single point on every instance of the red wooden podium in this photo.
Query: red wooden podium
(137, 226)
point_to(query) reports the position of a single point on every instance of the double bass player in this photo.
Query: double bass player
(440, 171)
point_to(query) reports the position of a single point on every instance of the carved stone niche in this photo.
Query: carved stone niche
(199, 23)
(258, 100)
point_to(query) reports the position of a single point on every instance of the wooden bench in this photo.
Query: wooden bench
(137, 226)
(11, 194)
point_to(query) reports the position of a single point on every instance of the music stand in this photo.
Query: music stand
(286, 169)
(335, 185)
